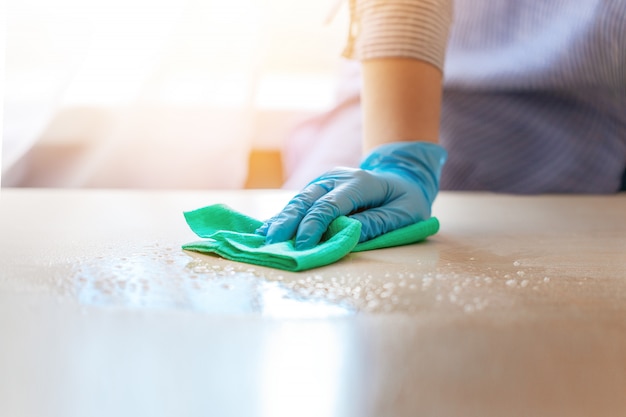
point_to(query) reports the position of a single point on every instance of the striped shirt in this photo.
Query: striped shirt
(534, 90)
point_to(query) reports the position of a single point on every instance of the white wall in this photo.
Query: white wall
(159, 93)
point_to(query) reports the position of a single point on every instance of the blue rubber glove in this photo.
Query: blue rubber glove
(394, 187)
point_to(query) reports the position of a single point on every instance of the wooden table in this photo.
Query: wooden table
(516, 307)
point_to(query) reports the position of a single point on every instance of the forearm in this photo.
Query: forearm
(402, 46)
(401, 101)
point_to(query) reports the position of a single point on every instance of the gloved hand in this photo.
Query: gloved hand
(394, 187)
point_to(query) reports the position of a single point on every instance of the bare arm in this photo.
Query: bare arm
(401, 101)
(401, 45)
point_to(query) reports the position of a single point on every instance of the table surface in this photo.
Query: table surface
(516, 307)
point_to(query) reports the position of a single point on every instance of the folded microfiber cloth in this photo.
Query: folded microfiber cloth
(231, 235)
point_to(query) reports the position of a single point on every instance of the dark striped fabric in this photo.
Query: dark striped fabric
(534, 94)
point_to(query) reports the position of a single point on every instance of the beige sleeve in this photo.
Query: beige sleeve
(399, 28)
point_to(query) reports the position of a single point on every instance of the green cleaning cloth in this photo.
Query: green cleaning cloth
(231, 235)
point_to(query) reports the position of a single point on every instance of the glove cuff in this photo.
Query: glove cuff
(419, 161)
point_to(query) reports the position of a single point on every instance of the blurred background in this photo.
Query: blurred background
(162, 93)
